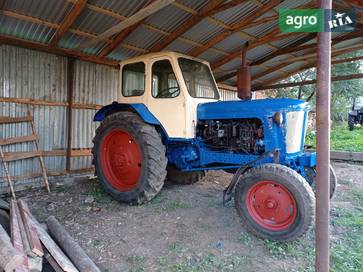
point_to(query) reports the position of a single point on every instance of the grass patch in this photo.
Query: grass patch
(137, 263)
(341, 138)
(100, 195)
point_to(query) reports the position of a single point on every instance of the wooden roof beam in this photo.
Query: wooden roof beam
(305, 82)
(235, 28)
(68, 21)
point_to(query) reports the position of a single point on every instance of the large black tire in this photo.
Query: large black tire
(351, 122)
(178, 177)
(271, 185)
(311, 179)
(5, 221)
(152, 160)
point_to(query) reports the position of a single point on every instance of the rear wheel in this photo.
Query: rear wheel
(274, 202)
(178, 177)
(129, 158)
(351, 122)
(311, 179)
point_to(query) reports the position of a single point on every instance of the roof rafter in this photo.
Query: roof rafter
(68, 21)
(235, 28)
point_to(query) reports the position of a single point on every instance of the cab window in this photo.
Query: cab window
(133, 79)
(164, 83)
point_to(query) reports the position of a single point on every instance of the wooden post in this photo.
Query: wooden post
(70, 79)
(70, 246)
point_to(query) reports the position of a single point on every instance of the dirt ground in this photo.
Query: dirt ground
(185, 228)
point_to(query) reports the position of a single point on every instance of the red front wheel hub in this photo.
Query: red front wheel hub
(271, 205)
(121, 160)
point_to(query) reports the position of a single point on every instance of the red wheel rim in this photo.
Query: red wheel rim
(121, 159)
(271, 205)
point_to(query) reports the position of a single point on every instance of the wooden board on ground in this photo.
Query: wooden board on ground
(70, 246)
(10, 258)
(54, 250)
(16, 236)
(30, 230)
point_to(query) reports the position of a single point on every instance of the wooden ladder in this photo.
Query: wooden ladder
(13, 156)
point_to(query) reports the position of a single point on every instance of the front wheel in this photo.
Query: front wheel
(274, 202)
(351, 122)
(311, 179)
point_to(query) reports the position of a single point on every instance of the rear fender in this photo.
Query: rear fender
(139, 108)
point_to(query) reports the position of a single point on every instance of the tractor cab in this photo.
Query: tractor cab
(171, 85)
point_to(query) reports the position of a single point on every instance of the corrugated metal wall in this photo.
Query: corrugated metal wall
(27, 75)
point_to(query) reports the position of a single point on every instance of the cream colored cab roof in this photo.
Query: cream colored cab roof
(161, 54)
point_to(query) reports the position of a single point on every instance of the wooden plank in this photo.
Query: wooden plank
(68, 21)
(33, 175)
(10, 258)
(16, 140)
(70, 246)
(13, 156)
(346, 156)
(24, 237)
(8, 120)
(31, 232)
(16, 237)
(54, 250)
(52, 262)
(133, 19)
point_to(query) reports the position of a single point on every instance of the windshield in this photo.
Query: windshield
(198, 79)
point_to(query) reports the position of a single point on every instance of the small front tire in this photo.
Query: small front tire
(275, 202)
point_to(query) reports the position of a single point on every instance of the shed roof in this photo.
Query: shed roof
(212, 30)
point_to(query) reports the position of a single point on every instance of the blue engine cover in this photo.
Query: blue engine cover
(248, 108)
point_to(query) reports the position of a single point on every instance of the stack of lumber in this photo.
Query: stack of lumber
(30, 243)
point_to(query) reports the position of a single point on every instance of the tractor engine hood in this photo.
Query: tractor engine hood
(248, 108)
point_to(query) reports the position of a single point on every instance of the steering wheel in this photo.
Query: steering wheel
(167, 91)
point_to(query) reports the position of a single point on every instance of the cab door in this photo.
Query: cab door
(166, 100)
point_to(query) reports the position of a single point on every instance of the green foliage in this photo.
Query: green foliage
(342, 92)
(341, 139)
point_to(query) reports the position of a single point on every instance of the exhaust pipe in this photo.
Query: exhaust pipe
(244, 77)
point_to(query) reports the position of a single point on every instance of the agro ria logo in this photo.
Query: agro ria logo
(341, 20)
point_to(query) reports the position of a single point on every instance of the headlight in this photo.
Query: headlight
(294, 131)
(278, 118)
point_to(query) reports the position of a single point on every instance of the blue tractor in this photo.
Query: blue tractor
(169, 123)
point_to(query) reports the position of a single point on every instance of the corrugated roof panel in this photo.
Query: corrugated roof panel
(293, 66)
(143, 37)
(276, 59)
(94, 22)
(348, 43)
(203, 31)
(50, 10)
(211, 55)
(71, 40)
(285, 42)
(256, 69)
(258, 52)
(25, 30)
(168, 18)
(196, 5)
(232, 65)
(122, 53)
(179, 46)
(259, 31)
(124, 8)
(290, 4)
(231, 43)
(236, 14)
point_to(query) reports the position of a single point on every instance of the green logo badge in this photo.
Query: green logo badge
(301, 20)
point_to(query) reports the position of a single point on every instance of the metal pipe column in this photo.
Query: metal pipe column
(323, 147)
